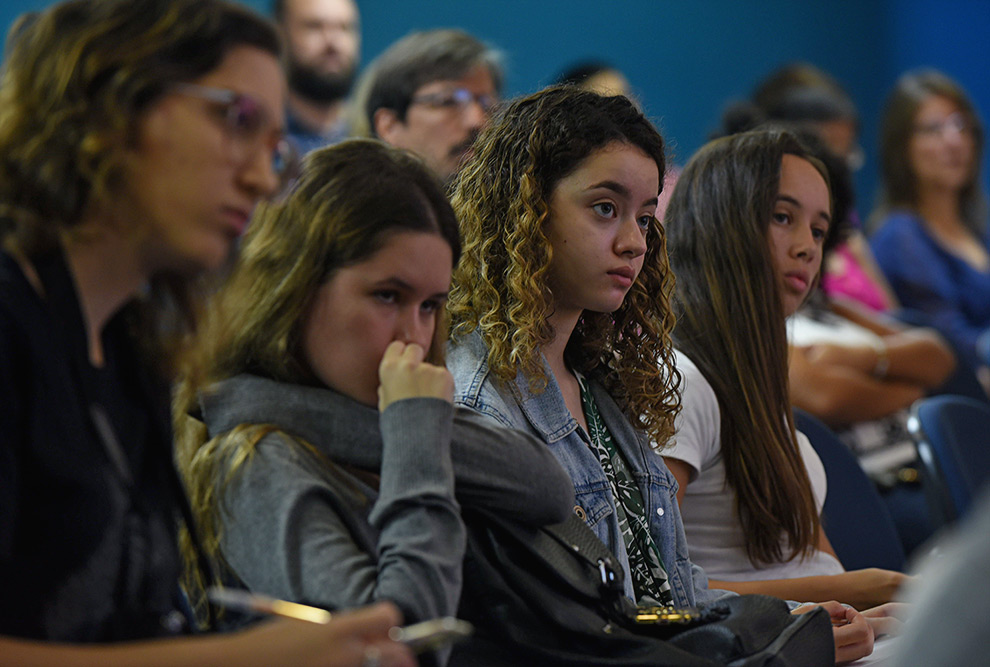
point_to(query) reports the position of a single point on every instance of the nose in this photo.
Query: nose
(631, 238)
(476, 115)
(257, 174)
(953, 135)
(804, 245)
(414, 326)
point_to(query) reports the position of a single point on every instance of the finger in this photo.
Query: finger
(834, 609)
(414, 352)
(853, 640)
(372, 622)
(884, 625)
(898, 610)
(392, 654)
(394, 350)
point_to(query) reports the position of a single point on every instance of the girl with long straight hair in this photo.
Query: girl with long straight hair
(746, 226)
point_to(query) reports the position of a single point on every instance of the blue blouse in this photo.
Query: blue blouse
(954, 296)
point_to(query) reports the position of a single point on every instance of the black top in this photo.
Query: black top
(88, 494)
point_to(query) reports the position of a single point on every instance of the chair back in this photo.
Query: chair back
(855, 518)
(952, 434)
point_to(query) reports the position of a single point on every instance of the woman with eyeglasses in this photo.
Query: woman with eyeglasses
(136, 137)
(931, 239)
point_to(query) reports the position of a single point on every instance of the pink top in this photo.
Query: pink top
(847, 278)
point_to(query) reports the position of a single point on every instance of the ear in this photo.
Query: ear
(386, 125)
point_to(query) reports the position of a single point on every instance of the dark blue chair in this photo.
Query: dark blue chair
(855, 518)
(952, 434)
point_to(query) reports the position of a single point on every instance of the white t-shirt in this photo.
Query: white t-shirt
(714, 534)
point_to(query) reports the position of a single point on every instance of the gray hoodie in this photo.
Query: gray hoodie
(303, 521)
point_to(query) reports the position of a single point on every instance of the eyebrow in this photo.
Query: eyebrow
(621, 190)
(795, 202)
(394, 281)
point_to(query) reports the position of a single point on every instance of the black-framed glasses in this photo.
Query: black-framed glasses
(456, 99)
(247, 121)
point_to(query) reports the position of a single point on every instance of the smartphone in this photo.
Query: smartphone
(433, 634)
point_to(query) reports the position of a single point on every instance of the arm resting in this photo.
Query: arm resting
(862, 589)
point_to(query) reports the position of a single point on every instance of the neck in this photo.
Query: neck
(940, 207)
(107, 272)
(563, 326)
(318, 116)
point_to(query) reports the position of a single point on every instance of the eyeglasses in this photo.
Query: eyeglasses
(457, 98)
(247, 121)
(956, 122)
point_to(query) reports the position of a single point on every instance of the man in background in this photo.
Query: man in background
(431, 92)
(323, 41)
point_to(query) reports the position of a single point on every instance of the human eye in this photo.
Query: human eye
(605, 209)
(459, 97)
(244, 115)
(386, 296)
(819, 233)
(645, 221)
(431, 306)
(781, 217)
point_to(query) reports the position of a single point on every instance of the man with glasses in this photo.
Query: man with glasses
(430, 93)
(323, 40)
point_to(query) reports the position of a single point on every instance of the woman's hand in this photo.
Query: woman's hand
(403, 374)
(887, 619)
(851, 631)
(351, 639)
(870, 587)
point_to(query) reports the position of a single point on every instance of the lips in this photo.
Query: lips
(797, 281)
(624, 275)
(236, 219)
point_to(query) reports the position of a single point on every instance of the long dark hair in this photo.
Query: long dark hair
(730, 322)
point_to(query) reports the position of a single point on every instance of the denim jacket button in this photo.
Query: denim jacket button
(659, 511)
(581, 514)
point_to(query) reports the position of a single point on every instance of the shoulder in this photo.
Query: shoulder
(697, 395)
(475, 388)
(898, 228)
(697, 426)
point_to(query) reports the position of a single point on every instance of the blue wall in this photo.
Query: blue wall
(687, 58)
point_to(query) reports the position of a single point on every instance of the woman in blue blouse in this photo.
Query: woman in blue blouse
(931, 241)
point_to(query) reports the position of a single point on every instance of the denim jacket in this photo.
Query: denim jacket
(546, 415)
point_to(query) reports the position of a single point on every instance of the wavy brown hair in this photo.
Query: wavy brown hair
(349, 199)
(502, 199)
(731, 323)
(77, 80)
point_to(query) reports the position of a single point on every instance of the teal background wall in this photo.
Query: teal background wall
(687, 58)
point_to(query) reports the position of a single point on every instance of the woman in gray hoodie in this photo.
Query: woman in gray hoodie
(318, 437)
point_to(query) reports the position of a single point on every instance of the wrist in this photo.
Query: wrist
(882, 365)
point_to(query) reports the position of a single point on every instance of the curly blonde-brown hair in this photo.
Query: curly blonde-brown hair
(501, 286)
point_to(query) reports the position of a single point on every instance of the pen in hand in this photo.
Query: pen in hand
(425, 636)
(240, 600)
